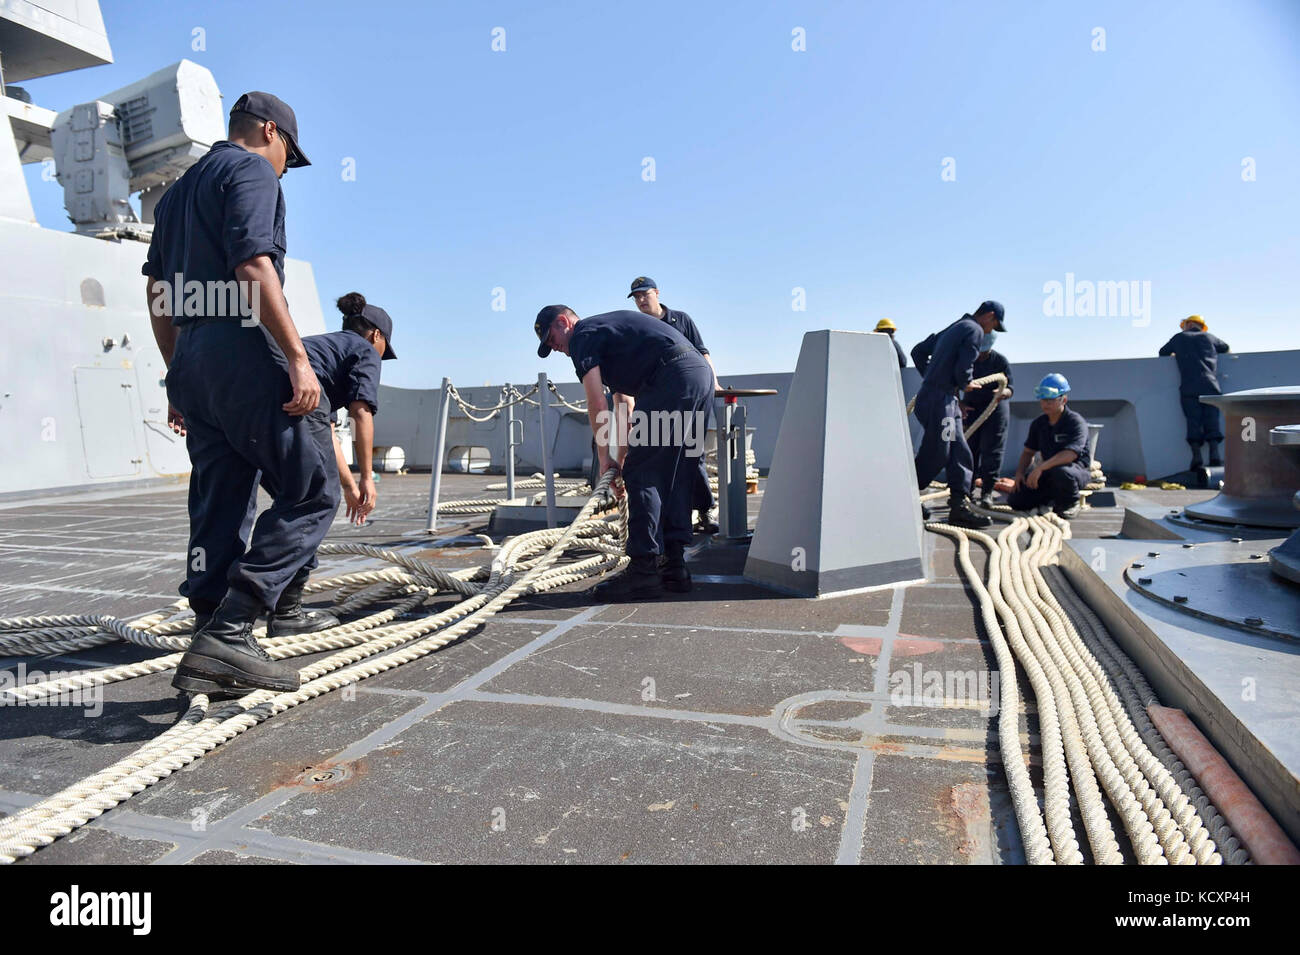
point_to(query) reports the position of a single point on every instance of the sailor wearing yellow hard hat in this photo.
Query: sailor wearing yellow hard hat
(887, 327)
(1197, 353)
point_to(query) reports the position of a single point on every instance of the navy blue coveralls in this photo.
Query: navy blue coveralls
(1058, 486)
(1197, 354)
(647, 359)
(989, 442)
(946, 359)
(228, 379)
(701, 493)
(347, 367)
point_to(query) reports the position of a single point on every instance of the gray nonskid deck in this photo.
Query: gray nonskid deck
(729, 725)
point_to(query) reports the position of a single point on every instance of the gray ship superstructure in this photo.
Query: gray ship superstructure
(82, 401)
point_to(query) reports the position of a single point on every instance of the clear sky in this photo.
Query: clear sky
(820, 169)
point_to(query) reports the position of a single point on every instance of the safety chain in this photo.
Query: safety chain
(510, 396)
(559, 398)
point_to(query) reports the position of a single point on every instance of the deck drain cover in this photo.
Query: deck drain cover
(327, 776)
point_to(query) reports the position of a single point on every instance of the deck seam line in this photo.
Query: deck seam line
(237, 821)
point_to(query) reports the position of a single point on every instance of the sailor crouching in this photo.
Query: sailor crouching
(1061, 437)
(645, 362)
(347, 364)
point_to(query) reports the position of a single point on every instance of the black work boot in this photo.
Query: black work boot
(290, 618)
(673, 571)
(638, 581)
(1069, 510)
(960, 515)
(1197, 463)
(225, 657)
(1216, 454)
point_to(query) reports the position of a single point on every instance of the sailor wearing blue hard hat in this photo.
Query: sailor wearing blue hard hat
(1060, 436)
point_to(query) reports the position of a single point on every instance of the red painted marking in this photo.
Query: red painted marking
(910, 646)
(907, 645)
(870, 646)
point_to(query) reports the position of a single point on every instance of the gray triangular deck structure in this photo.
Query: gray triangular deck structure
(841, 511)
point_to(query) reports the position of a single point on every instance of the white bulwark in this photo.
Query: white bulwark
(840, 510)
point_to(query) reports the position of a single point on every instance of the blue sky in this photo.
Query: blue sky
(775, 169)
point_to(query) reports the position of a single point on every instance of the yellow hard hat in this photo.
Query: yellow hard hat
(1198, 320)
(885, 325)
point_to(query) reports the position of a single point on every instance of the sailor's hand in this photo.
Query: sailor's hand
(352, 497)
(306, 388)
(175, 421)
(369, 496)
(1004, 394)
(973, 386)
(1034, 475)
(616, 484)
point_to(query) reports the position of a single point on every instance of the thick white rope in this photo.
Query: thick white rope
(524, 564)
(998, 377)
(1083, 721)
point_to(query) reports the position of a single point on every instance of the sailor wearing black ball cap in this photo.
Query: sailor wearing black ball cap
(947, 361)
(644, 359)
(242, 390)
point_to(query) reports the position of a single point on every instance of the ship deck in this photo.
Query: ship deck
(730, 724)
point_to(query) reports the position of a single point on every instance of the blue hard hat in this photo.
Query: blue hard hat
(1053, 386)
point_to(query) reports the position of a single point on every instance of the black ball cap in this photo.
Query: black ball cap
(997, 310)
(641, 283)
(542, 326)
(377, 317)
(272, 108)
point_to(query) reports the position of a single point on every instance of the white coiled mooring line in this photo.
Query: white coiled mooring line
(1088, 734)
(523, 565)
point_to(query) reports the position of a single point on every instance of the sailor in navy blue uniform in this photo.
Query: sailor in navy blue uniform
(1060, 437)
(648, 364)
(646, 294)
(946, 359)
(348, 366)
(1197, 353)
(989, 442)
(243, 391)
(886, 326)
